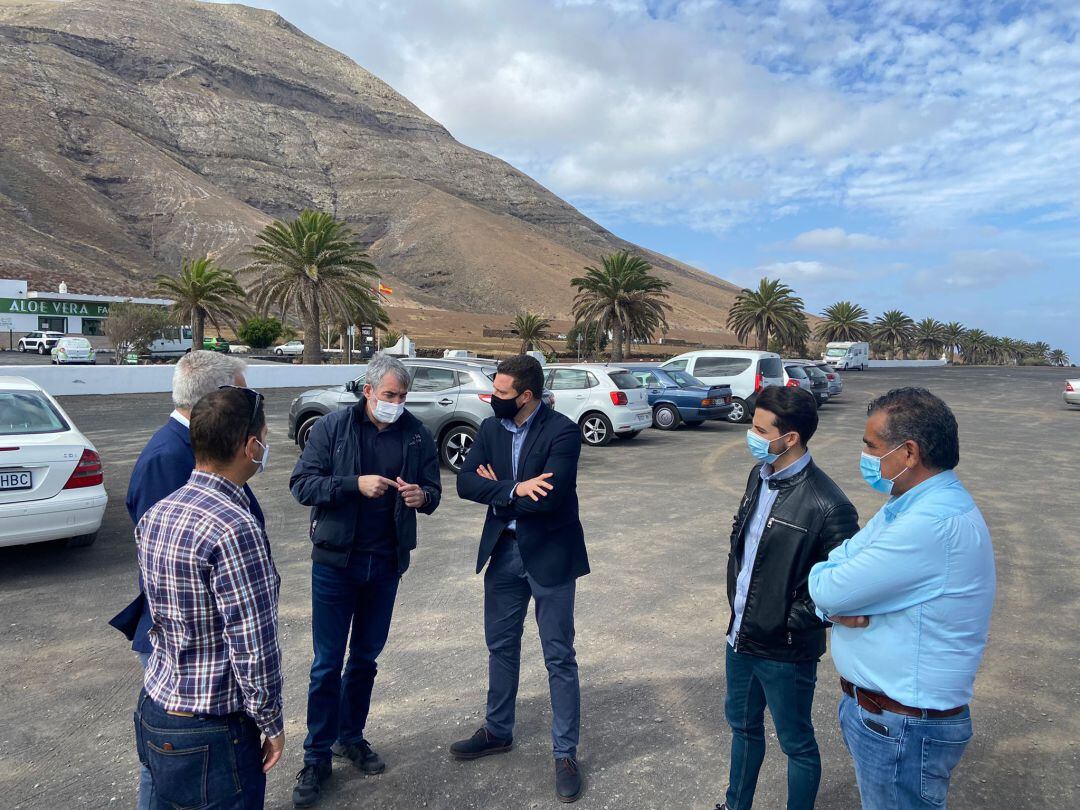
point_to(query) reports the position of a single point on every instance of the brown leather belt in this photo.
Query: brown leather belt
(876, 703)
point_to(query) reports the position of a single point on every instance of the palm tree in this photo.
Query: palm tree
(202, 290)
(622, 297)
(929, 336)
(894, 329)
(843, 321)
(1040, 350)
(772, 310)
(976, 345)
(389, 338)
(314, 263)
(952, 335)
(532, 329)
(1058, 357)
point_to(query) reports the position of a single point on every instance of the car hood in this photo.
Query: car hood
(314, 392)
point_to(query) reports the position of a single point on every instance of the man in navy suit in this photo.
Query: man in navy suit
(523, 467)
(164, 466)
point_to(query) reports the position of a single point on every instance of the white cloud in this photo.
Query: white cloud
(975, 270)
(837, 239)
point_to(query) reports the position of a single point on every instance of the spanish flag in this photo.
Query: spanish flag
(384, 290)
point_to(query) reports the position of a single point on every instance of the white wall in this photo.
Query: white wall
(73, 380)
(907, 363)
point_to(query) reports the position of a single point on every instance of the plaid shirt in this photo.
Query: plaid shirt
(213, 594)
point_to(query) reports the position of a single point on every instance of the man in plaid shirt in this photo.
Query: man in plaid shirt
(213, 683)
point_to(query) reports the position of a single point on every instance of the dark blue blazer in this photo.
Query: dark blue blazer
(549, 533)
(164, 465)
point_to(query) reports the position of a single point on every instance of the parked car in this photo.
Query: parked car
(848, 355)
(1071, 394)
(747, 372)
(216, 344)
(40, 342)
(73, 350)
(51, 479)
(677, 397)
(172, 341)
(836, 382)
(605, 401)
(819, 383)
(451, 397)
(291, 348)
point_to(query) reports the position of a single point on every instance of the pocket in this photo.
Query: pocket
(179, 774)
(939, 757)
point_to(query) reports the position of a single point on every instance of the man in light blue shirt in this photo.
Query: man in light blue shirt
(911, 595)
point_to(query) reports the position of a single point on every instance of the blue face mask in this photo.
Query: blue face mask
(870, 467)
(759, 447)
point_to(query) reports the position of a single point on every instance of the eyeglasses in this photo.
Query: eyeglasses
(253, 397)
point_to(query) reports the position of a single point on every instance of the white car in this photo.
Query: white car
(1071, 394)
(51, 480)
(747, 372)
(292, 348)
(605, 401)
(40, 342)
(73, 350)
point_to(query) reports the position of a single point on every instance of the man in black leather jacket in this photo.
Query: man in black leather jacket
(791, 516)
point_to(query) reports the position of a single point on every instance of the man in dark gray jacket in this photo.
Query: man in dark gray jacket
(365, 472)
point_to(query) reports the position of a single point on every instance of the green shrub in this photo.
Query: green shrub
(258, 333)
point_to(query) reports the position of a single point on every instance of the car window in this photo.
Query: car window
(720, 366)
(815, 373)
(770, 367)
(796, 372)
(464, 378)
(28, 412)
(624, 380)
(684, 380)
(676, 365)
(565, 379)
(646, 379)
(428, 378)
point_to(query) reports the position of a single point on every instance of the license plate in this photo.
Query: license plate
(15, 479)
(642, 417)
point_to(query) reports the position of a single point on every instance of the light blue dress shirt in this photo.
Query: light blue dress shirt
(518, 435)
(755, 527)
(923, 571)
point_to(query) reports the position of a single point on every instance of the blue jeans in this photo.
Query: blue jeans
(907, 764)
(205, 761)
(145, 797)
(787, 688)
(359, 597)
(507, 590)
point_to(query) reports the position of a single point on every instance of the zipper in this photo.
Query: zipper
(789, 638)
(773, 520)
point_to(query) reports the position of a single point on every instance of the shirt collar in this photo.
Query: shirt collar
(896, 506)
(511, 425)
(797, 467)
(179, 417)
(221, 484)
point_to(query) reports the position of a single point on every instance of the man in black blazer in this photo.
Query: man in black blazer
(523, 466)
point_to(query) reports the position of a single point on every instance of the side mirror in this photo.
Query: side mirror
(350, 386)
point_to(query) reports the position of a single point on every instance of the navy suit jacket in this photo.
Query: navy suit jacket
(164, 465)
(549, 533)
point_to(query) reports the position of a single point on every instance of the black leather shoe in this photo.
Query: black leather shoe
(567, 780)
(309, 783)
(480, 744)
(722, 806)
(362, 755)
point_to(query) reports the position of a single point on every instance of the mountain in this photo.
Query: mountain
(136, 132)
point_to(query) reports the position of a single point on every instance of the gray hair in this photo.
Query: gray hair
(383, 364)
(199, 372)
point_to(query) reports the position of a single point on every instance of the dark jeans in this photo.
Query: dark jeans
(788, 690)
(359, 597)
(507, 589)
(205, 761)
(145, 799)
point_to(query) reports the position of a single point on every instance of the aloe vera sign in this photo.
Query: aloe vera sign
(43, 306)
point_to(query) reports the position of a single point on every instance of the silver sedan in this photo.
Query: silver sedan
(1071, 394)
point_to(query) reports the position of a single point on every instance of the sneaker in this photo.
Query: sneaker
(309, 783)
(567, 780)
(480, 744)
(362, 755)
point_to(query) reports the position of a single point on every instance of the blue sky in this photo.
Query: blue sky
(920, 154)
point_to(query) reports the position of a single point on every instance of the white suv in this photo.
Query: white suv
(40, 342)
(747, 372)
(606, 401)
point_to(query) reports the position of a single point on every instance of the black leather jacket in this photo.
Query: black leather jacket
(811, 516)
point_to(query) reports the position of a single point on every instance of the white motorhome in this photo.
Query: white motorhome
(847, 355)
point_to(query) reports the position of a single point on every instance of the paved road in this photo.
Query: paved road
(651, 619)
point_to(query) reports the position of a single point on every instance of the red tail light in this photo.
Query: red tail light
(831, 376)
(758, 382)
(1069, 387)
(792, 383)
(88, 472)
(618, 398)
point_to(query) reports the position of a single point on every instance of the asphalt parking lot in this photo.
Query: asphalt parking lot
(651, 619)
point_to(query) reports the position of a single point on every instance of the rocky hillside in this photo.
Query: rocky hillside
(135, 132)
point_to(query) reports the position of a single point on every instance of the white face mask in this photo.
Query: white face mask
(388, 412)
(262, 462)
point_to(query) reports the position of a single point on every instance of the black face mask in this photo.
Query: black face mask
(504, 408)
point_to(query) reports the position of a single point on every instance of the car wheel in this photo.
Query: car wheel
(739, 413)
(22, 347)
(41, 348)
(81, 541)
(279, 352)
(695, 422)
(305, 429)
(633, 434)
(455, 446)
(596, 430)
(666, 417)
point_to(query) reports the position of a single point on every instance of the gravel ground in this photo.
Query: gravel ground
(651, 618)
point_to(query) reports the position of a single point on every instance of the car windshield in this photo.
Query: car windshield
(836, 353)
(24, 412)
(76, 343)
(684, 380)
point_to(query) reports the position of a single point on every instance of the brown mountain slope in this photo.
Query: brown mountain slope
(133, 133)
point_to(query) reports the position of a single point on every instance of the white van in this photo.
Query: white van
(847, 355)
(172, 341)
(747, 372)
